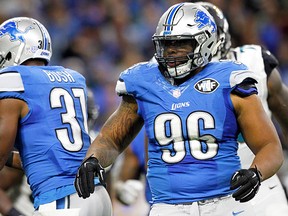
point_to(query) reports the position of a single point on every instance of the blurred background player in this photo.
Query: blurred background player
(93, 113)
(15, 194)
(274, 97)
(131, 184)
(52, 134)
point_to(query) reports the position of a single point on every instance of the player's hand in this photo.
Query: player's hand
(247, 181)
(127, 192)
(84, 181)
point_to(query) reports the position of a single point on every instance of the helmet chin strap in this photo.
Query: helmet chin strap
(19, 53)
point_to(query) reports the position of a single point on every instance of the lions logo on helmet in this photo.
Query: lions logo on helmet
(204, 20)
(15, 34)
(21, 39)
(223, 36)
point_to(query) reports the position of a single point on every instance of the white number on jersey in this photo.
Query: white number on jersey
(168, 129)
(69, 117)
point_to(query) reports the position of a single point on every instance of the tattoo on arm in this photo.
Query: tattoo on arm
(118, 132)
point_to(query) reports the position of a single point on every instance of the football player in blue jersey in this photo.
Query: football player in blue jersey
(274, 97)
(15, 194)
(193, 111)
(43, 113)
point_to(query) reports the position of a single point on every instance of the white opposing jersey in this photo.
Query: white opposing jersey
(271, 196)
(251, 56)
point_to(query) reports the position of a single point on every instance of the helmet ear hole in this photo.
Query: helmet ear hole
(210, 45)
(8, 56)
(3, 59)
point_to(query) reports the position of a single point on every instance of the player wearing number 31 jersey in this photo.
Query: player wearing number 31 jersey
(51, 129)
(43, 112)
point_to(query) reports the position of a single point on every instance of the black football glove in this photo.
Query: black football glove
(84, 181)
(248, 182)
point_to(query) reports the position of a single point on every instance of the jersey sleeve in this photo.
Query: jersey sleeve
(243, 82)
(11, 81)
(270, 61)
(11, 85)
(121, 87)
(130, 81)
(245, 88)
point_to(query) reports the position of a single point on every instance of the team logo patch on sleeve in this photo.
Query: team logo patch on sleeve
(207, 85)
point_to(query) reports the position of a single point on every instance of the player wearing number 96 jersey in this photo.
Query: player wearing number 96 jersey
(191, 129)
(193, 111)
(43, 112)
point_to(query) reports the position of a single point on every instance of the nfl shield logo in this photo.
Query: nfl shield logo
(176, 93)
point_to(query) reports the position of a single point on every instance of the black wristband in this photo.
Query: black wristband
(258, 173)
(9, 161)
(14, 212)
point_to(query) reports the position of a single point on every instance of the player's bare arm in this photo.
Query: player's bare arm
(278, 101)
(117, 133)
(11, 111)
(259, 133)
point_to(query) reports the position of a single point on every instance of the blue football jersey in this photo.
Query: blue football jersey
(52, 138)
(192, 129)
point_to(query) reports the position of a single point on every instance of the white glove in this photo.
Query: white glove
(128, 192)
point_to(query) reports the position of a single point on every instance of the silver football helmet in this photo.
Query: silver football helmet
(223, 35)
(23, 38)
(185, 23)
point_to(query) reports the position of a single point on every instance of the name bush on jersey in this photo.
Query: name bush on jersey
(59, 76)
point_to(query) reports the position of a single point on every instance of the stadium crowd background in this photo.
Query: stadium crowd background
(100, 38)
